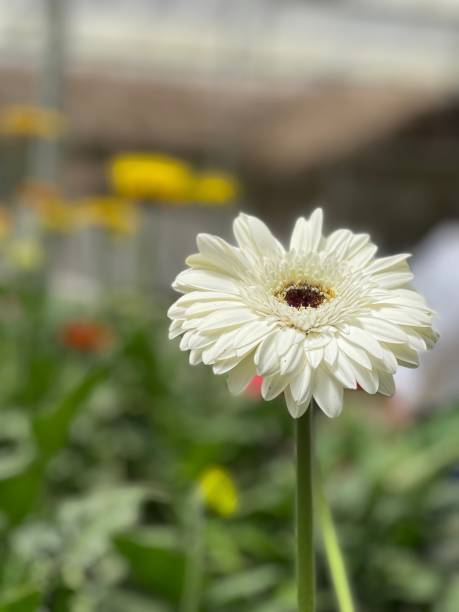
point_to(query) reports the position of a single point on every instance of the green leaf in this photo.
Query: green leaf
(244, 585)
(450, 599)
(51, 427)
(20, 600)
(18, 493)
(156, 560)
(120, 600)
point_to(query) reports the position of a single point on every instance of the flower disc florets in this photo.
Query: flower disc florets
(304, 295)
(322, 316)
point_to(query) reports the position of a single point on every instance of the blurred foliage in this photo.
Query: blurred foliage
(100, 452)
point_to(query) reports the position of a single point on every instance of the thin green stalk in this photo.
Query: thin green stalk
(332, 548)
(304, 513)
(194, 570)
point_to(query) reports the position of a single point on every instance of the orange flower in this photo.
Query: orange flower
(86, 336)
(33, 191)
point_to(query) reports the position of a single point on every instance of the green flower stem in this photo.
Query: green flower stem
(194, 570)
(304, 513)
(332, 548)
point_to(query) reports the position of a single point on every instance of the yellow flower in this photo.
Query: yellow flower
(57, 215)
(25, 253)
(216, 188)
(148, 176)
(54, 212)
(107, 212)
(31, 121)
(218, 490)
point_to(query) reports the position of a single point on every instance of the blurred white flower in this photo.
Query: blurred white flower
(435, 263)
(312, 320)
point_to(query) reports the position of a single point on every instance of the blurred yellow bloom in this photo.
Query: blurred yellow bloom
(216, 188)
(154, 177)
(31, 121)
(25, 253)
(107, 212)
(218, 490)
(5, 222)
(57, 215)
(54, 212)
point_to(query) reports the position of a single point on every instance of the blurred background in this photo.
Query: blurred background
(127, 127)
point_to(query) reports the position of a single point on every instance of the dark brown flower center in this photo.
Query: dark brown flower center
(304, 295)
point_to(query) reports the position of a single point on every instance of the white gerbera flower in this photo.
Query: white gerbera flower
(324, 315)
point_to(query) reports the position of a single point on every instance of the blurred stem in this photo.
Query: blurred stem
(332, 548)
(304, 513)
(195, 558)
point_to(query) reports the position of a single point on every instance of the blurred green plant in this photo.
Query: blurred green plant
(100, 452)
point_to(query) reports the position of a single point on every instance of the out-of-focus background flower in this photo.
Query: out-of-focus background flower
(127, 127)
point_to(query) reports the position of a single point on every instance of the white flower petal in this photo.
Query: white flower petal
(313, 341)
(200, 309)
(367, 379)
(272, 386)
(365, 340)
(227, 319)
(226, 365)
(240, 376)
(428, 335)
(402, 316)
(387, 363)
(393, 280)
(315, 228)
(307, 234)
(253, 235)
(188, 299)
(221, 348)
(175, 329)
(315, 357)
(331, 352)
(383, 330)
(293, 359)
(301, 386)
(286, 338)
(386, 384)
(344, 371)
(205, 280)
(357, 354)
(338, 242)
(328, 393)
(195, 357)
(405, 355)
(385, 263)
(266, 357)
(218, 253)
(296, 410)
(195, 340)
(300, 240)
(363, 256)
(254, 330)
(415, 339)
(356, 244)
